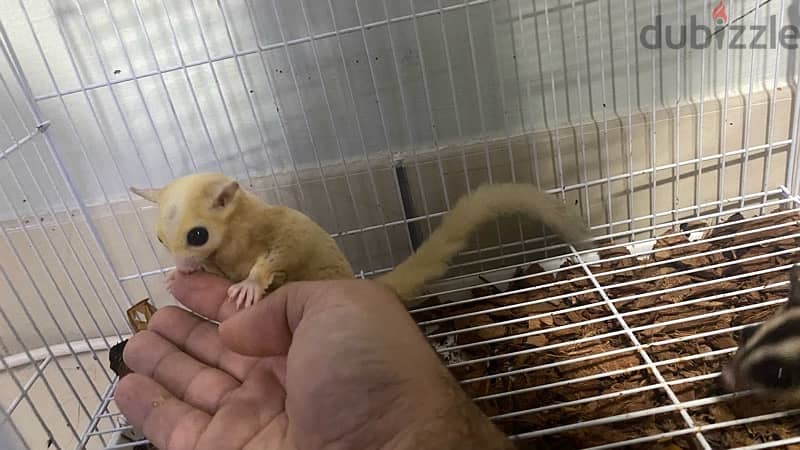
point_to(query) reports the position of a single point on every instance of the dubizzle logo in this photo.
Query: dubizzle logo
(721, 32)
(719, 14)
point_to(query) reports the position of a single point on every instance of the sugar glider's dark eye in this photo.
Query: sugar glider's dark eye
(776, 374)
(197, 236)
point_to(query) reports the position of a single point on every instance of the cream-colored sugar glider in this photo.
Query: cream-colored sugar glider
(207, 221)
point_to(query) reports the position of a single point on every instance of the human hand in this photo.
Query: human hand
(313, 366)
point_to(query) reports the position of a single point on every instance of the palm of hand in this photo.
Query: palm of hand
(313, 384)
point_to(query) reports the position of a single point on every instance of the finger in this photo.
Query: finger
(246, 412)
(195, 383)
(169, 423)
(266, 329)
(204, 293)
(239, 332)
(200, 339)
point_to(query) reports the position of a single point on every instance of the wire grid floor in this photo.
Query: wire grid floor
(771, 213)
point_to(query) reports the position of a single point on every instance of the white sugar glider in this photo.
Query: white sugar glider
(768, 357)
(207, 221)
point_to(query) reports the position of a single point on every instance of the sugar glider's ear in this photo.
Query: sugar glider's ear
(794, 287)
(147, 194)
(226, 195)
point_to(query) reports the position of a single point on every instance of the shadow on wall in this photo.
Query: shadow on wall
(9, 439)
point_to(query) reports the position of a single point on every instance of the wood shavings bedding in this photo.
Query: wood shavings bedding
(663, 296)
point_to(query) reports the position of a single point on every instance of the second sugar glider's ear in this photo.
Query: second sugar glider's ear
(225, 195)
(147, 194)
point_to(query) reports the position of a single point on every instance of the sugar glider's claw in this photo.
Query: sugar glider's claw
(240, 298)
(248, 297)
(253, 296)
(233, 292)
(236, 294)
(245, 293)
(170, 280)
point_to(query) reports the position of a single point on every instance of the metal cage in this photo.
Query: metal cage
(672, 125)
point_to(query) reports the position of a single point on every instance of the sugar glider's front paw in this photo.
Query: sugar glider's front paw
(276, 280)
(170, 280)
(246, 293)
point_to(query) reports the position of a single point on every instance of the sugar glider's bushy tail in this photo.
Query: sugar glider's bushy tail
(486, 203)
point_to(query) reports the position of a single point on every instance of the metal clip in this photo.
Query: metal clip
(42, 127)
(139, 315)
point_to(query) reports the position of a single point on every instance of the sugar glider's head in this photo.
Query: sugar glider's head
(193, 215)
(769, 355)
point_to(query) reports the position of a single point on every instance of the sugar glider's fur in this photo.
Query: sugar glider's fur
(768, 357)
(207, 221)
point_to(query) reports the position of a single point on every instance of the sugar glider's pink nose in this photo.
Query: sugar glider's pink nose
(187, 265)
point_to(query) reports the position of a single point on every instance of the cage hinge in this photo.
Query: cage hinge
(42, 127)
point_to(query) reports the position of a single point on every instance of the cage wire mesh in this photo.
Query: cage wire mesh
(677, 144)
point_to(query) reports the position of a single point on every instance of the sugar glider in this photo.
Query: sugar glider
(769, 355)
(208, 221)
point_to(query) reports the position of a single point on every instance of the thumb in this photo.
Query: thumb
(266, 328)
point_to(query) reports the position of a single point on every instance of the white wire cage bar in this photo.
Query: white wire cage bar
(787, 205)
(373, 118)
